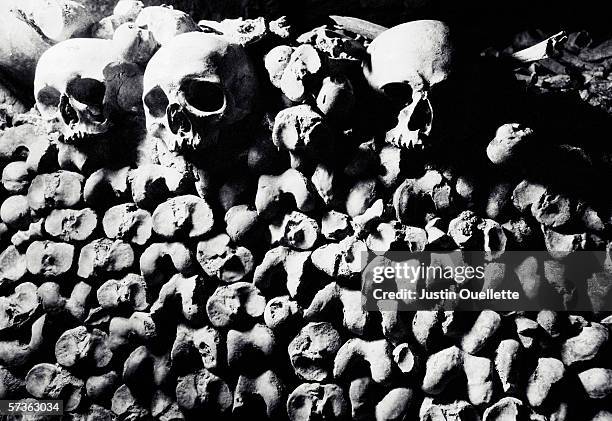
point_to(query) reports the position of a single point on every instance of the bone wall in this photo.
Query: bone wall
(187, 195)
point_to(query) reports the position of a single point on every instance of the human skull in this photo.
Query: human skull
(195, 85)
(84, 84)
(406, 64)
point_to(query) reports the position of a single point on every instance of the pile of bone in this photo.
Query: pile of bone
(131, 295)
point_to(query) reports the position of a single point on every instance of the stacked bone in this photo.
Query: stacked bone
(137, 293)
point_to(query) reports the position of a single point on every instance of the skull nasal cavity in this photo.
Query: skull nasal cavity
(177, 119)
(400, 93)
(204, 96)
(86, 91)
(421, 117)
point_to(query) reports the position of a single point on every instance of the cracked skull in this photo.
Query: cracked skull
(194, 86)
(86, 86)
(407, 63)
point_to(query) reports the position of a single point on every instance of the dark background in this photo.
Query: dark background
(485, 23)
(489, 22)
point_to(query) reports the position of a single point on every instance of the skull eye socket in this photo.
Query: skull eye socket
(86, 91)
(49, 97)
(157, 102)
(204, 96)
(400, 93)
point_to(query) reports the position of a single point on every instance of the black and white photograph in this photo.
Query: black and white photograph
(308, 210)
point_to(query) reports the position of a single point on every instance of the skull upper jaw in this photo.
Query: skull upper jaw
(183, 133)
(189, 118)
(412, 97)
(414, 123)
(187, 132)
(78, 111)
(82, 122)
